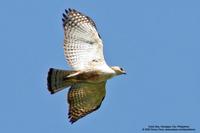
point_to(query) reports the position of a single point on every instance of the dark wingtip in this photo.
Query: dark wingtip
(65, 16)
(72, 121)
(70, 9)
(49, 81)
(66, 11)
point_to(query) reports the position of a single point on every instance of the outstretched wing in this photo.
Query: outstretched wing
(82, 44)
(85, 98)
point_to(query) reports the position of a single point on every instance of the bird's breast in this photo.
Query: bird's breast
(93, 76)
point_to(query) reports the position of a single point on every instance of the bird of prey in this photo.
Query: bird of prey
(83, 49)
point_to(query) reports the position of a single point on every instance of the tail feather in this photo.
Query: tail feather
(56, 80)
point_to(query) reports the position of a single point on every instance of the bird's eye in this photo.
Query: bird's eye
(121, 69)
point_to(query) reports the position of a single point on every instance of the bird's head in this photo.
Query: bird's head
(118, 70)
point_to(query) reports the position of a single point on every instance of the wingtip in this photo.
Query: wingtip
(65, 16)
(72, 121)
(69, 9)
(66, 11)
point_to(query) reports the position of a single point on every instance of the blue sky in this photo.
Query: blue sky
(156, 42)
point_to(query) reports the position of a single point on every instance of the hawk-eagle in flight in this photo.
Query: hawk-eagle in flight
(83, 50)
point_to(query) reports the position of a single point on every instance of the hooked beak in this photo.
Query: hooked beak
(123, 72)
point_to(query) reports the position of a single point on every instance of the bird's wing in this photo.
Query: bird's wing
(85, 98)
(83, 47)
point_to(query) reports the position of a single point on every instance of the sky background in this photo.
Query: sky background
(156, 42)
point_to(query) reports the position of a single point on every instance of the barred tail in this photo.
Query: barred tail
(56, 81)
